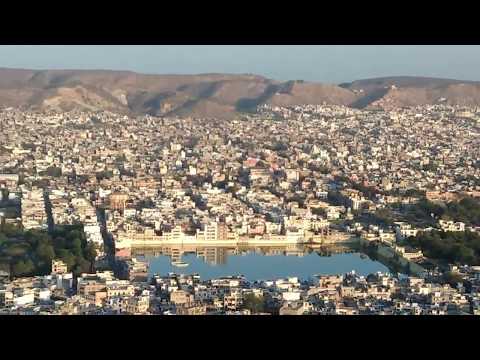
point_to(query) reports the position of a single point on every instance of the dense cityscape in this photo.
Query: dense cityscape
(83, 193)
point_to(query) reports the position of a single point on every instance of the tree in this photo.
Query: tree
(452, 278)
(74, 235)
(90, 252)
(23, 268)
(3, 239)
(451, 247)
(59, 242)
(46, 252)
(66, 257)
(384, 216)
(54, 171)
(11, 230)
(76, 246)
(255, 304)
(104, 175)
(319, 211)
(17, 249)
(81, 266)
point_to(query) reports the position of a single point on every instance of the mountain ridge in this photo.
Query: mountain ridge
(215, 94)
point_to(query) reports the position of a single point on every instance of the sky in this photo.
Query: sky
(322, 63)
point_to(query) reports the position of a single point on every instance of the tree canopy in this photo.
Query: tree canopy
(31, 252)
(255, 304)
(450, 247)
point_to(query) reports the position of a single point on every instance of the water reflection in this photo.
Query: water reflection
(215, 256)
(261, 262)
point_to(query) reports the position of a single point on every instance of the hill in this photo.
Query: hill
(402, 91)
(214, 95)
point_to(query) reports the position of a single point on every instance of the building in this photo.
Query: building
(181, 297)
(192, 309)
(9, 180)
(451, 225)
(59, 267)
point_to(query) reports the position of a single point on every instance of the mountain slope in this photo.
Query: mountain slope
(411, 91)
(214, 95)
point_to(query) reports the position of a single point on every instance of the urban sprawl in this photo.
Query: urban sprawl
(81, 193)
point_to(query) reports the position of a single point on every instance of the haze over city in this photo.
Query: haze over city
(322, 63)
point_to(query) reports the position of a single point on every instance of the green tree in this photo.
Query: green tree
(452, 278)
(54, 171)
(17, 249)
(81, 265)
(76, 246)
(74, 235)
(384, 216)
(11, 230)
(23, 268)
(3, 239)
(90, 252)
(45, 252)
(67, 257)
(255, 304)
(59, 242)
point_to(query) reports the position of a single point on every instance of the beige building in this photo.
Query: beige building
(59, 267)
(194, 309)
(181, 297)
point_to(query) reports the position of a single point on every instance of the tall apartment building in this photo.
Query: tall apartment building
(209, 232)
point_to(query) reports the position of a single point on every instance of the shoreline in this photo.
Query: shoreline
(215, 243)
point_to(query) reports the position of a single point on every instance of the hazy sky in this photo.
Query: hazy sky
(331, 64)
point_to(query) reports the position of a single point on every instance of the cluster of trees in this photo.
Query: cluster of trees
(30, 253)
(408, 192)
(424, 212)
(415, 193)
(41, 183)
(383, 216)
(126, 172)
(450, 247)
(432, 167)
(452, 278)
(29, 146)
(256, 304)
(466, 210)
(4, 192)
(300, 199)
(322, 169)
(145, 203)
(52, 171)
(474, 180)
(335, 198)
(192, 141)
(319, 211)
(104, 175)
(279, 146)
(199, 180)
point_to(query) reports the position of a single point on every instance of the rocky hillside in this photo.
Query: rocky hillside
(213, 95)
(411, 91)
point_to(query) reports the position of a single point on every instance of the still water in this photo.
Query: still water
(259, 263)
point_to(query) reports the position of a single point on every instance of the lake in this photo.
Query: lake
(258, 263)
